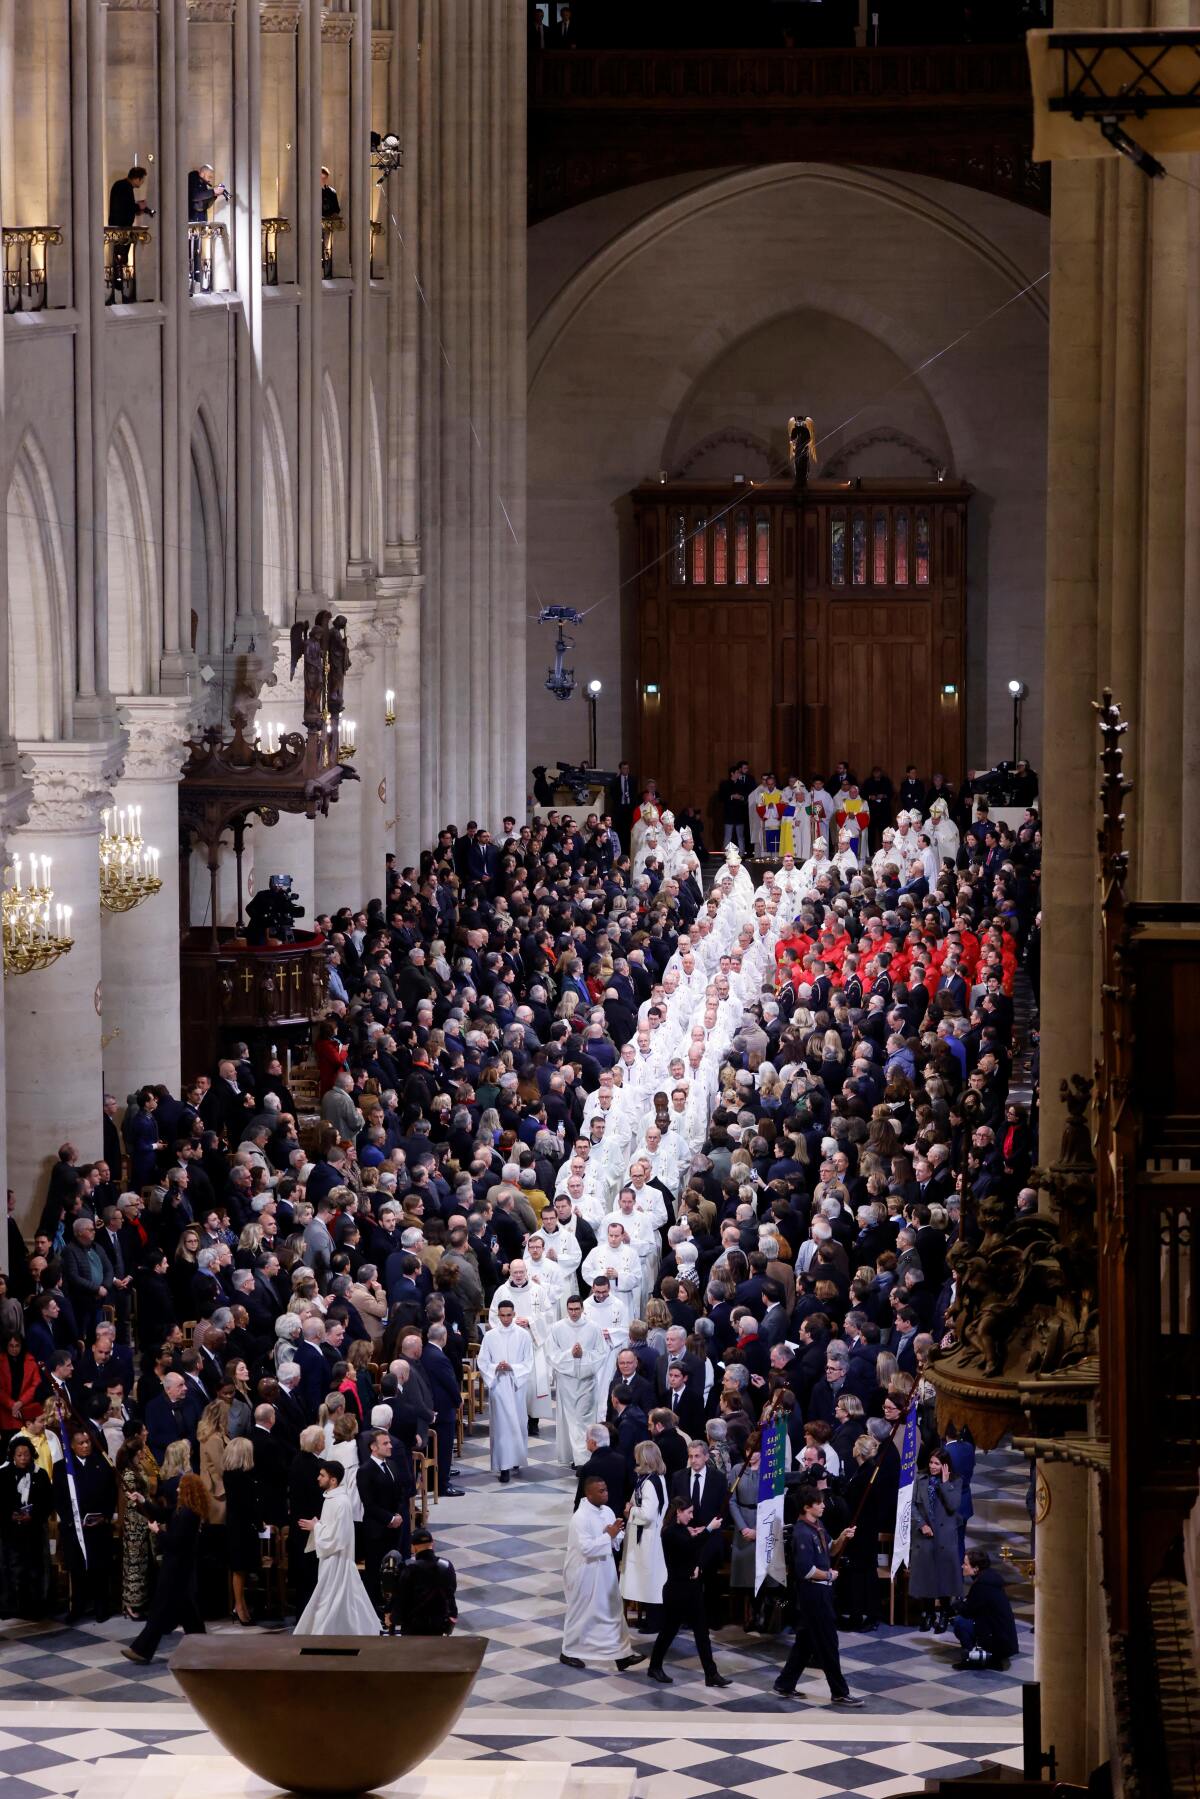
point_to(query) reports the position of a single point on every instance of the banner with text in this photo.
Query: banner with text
(769, 1556)
(908, 1471)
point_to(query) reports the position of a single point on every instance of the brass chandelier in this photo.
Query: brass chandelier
(29, 941)
(128, 870)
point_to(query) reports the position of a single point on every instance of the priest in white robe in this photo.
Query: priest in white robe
(594, 1628)
(576, 1352)
(563, 1253)
(618, 1261)
(535, 1309)
(605, 1311)
(339, 1606)
(505, 1366)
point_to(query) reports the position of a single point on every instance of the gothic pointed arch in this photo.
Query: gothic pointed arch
(884, 450)
(134, 626)
(730, 451)
(41, 634)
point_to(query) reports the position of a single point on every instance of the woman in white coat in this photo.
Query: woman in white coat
(643, 1567)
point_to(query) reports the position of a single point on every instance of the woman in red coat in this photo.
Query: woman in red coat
(20, 1378)
(330, 1054)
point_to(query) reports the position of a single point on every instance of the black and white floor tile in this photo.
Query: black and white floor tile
(71, 1706)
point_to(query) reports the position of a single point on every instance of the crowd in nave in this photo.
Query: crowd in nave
(663, 1164)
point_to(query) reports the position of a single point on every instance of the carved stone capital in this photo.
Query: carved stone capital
(72, 783)
(211, 12)
(381, 46)
(158, 731)
(280, 16)
(337, 27)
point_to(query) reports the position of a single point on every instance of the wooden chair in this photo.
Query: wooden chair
(419, 1504)
(431, 1465)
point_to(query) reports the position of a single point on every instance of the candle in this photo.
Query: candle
(66, 921)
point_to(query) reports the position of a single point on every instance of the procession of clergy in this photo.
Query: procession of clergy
(551, 1352)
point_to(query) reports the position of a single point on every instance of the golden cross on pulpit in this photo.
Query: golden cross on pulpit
(247, 979)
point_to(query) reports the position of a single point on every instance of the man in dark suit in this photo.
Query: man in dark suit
(705, 1489)
(89, 1547)
(686, 1407)
(677, 1351)
(272, 1465)
(171, 1416)
(385, 1486)
(606, 1464)
(631, 1427)
(672, 1446)
(622, 798)
(446, 1392)
(773, 1327)
(87, 1273)
(629, 1374)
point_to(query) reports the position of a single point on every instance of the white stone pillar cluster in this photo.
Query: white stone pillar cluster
(471, 112)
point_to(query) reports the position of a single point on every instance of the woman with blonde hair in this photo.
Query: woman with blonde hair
(212, 1434)
(643, 1568)
(242, 1521)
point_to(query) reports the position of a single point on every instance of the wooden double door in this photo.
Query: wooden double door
(798, 630)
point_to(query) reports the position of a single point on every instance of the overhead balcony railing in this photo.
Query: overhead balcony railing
(272, 230)
(120, 262)
(26, 281)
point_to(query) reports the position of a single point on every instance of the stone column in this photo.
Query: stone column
(471, 107)
(1060, 1644)
(55, 1084)
(290, 846)
(399, 600)
(140, 949)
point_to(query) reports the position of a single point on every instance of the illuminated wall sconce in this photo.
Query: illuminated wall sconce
(389, 704)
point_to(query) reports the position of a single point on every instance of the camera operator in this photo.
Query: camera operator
(125, 207)
(203, 194)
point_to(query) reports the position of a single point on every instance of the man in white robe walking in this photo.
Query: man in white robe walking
(575, 1351)
(594, 1628)
(619, 1262)
(339, 1606)
(505, 1366)
(605, 1311)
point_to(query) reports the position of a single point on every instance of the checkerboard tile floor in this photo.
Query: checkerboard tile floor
(507, 1544)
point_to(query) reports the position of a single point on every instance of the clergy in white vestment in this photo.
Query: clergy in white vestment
(505, 1366)
(644, 1239)
(618, 1261)
(534, 1310)
(563, 1251)
(942, 831)
(547, 1275)
(339, 1606)
(816, 866)
(605, 1311)
(576, 1352)
(846, 861)
(594, 1628)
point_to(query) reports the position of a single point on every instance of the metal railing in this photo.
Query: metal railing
(26, 288)
(272, 230)
(203, 239)
(120, 262)
(329, 226)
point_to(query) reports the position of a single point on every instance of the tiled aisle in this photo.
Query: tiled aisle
(68, 1701)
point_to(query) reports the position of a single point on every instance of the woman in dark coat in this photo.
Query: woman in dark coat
(174, 1606)
(683, 1595)
(156, 1312)
(858, 1584)
(26, 1502)
(242, 1522)
(934, 1568)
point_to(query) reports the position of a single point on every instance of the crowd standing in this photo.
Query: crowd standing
(666, 1164)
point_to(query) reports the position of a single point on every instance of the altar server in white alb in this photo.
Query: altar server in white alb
(339, 1606)
(576, 1351)
(505, 1366)
(594, 1628)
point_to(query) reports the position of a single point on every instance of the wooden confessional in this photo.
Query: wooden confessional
(796, 628)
